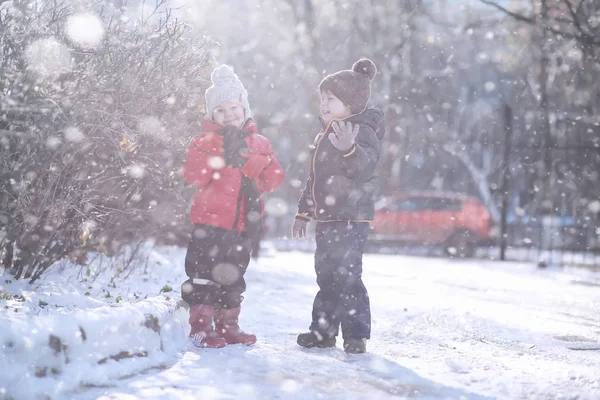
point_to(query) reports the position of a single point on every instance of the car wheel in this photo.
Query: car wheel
(461, 245)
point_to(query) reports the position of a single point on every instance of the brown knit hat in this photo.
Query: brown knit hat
(352, 87)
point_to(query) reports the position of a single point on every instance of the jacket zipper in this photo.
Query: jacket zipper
(238, 209)
(314, 163)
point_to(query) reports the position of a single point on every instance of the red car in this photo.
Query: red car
(455, 221)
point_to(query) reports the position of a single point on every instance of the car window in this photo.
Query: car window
(414, 204)
(441, 204)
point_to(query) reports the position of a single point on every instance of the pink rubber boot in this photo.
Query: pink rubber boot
(226, 324)
(203, 333)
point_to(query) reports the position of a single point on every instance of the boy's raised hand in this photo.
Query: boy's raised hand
(343, 135)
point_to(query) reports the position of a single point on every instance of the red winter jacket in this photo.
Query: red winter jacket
(219, 199)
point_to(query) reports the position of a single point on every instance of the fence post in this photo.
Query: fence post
(506, 177)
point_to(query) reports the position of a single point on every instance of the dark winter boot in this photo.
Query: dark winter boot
(226, 323)
(202, 333)
(314, 339)
(355, 346)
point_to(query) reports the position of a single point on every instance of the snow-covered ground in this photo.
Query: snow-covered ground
(441, 329)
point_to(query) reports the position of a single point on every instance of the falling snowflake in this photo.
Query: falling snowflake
(303, 156)
(74, 135)
(216, 162)
(136, 197)
(594, 206)
(200, 233)
(276, 207)
(136, 171)
(151, 126)
(225, 274)
(48, 58)
(85, 29)
(490, 86)
(253, 216)
(53, 142)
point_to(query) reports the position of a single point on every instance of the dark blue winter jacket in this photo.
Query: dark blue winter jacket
(341, 186)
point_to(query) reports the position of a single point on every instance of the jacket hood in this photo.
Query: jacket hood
(373, 118)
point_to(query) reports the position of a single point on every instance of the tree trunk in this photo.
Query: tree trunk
(546, 143)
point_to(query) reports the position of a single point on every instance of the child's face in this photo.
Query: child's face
(332, 107)
(229, 114)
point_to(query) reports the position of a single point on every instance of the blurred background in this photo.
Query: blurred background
(492, 145)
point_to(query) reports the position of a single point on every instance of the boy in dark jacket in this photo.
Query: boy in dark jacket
(339, 196)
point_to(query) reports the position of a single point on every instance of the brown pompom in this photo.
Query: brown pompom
(366, 67)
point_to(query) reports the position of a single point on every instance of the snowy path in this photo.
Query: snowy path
(441, 329)
(281, 370)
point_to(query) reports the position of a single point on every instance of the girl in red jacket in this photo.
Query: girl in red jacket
(231, 165)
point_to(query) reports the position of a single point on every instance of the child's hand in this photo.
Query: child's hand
(255, 165)
(343, 135)
(299, 228)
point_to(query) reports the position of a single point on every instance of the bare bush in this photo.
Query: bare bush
(94, 130)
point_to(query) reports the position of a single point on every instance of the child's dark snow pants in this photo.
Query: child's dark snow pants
(216, 262)
(342, 297)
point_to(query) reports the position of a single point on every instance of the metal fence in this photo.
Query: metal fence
(554, 220)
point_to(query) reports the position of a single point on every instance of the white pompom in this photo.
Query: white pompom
(224, 73)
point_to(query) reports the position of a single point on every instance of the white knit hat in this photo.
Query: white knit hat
(226, 86)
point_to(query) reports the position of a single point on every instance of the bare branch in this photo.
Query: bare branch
(517, 16)
(572, 12)
(583, 37)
